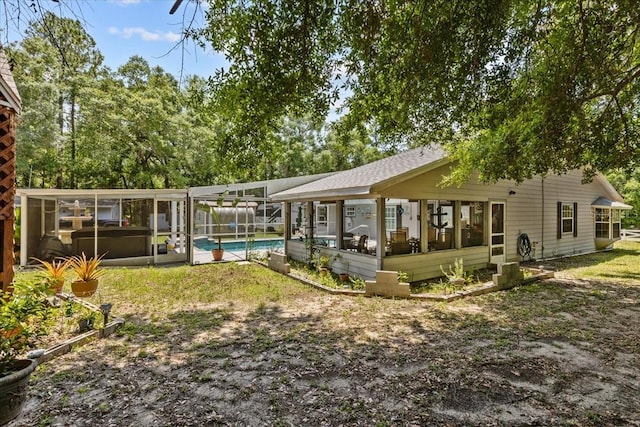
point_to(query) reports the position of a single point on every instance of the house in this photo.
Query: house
(393, 214)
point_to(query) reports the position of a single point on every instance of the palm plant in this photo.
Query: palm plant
(86, 269)
(55, 271)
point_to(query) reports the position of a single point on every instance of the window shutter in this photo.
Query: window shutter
(575, 219)
(559, 234)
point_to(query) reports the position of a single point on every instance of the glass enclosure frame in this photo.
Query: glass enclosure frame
(121, 225)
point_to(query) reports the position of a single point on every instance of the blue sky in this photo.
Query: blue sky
(123, 28)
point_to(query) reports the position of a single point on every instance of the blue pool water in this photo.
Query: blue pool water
(240, 245)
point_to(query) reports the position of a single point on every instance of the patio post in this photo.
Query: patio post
(339, 224)
(95, 225)
(381, 238)
(287, 224)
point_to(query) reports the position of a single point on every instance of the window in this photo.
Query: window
(616, 216)
(359, 225)
(441, 230)
(567, 219)
(472, 223)
(402, 224)
(607, 223)
(602, 223)
(390, 217)
(322, 220)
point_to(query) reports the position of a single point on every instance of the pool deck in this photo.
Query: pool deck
(204, 257)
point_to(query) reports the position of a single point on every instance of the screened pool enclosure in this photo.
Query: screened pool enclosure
(125, 226)
(144, 227)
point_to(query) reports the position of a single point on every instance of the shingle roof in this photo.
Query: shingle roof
(361, 180)
(8, 88)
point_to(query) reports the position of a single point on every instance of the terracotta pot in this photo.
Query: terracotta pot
(13, 389)
(57, 285)
(80, 288)
(323, 271)
(217, 254)
(344, 277)
(6, 334)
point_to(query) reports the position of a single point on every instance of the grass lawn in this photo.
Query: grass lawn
(233, 344)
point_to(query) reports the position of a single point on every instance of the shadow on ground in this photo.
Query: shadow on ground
(558, 352)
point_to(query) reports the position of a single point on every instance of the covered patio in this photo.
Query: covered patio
(365, 220)
(394, 214)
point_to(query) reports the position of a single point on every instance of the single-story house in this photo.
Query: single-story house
(393, 214)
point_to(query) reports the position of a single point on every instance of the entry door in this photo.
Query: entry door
(496, 243)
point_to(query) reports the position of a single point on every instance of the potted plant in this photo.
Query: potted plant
(323, 265)
(88, 272)
(54, 272)
(340, 264)
(218, 252)
(23, 316)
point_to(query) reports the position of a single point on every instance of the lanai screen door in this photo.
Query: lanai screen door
(496, 243)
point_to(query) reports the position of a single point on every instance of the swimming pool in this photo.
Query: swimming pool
(240, 245)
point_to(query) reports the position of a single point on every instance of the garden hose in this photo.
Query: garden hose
(524, 245)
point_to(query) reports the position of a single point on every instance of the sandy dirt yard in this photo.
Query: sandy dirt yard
(560, 352)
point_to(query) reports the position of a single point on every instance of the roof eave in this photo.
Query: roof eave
(354, 192)
(12, 100)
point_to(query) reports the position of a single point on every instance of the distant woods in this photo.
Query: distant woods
(85, 125)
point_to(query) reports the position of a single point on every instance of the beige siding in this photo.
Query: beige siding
(295, 250)
(532, 209)
(354, 263)
(524, 209)
(427, 265)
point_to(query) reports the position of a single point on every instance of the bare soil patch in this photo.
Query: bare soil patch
(561, 352)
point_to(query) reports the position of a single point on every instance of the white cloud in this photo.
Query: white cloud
(144, 34)
(125, 2)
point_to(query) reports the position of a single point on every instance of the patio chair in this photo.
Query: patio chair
(362, 244)
(398, 236)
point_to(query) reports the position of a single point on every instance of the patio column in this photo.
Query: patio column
(287, 222)
(424, 226)
(339, 224)
(456, 224)
(95, 225)
(381, 238)
(310, 221)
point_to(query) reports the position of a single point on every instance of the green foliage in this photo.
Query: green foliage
(23, 317)
(86, 126)
(86, 268)
(628, 185)
(456, 271)
(323, 261)
(357, 283)
(403, 277)
(513, 88)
